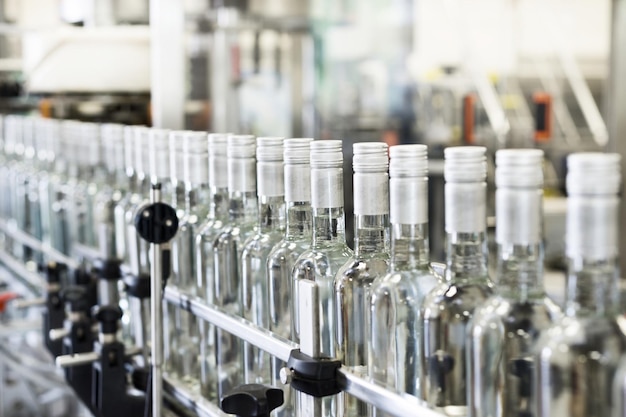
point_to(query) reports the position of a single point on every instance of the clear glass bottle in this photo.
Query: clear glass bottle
(23, 175)
(12, 137)
(284, 254)
(49, 133)
(369, 262)
(38, 172)
(91, 177)
(328, 251)
(447, 310)
(177, 168)
(504, 330)
(396, 298)
(210, 228)
(577, 358)
(270, 229)
(185, 342)
(242, 218)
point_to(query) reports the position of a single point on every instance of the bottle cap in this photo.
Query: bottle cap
(241, 146)
(177, 163)
(326, 154)
(593, 173)
(159, 150)
(519, 168)
(408, 161)
(269, 149)
(141, 140)
(370, 157)
(465, 164)
(218, 164)
(196, 159)
(297, 151)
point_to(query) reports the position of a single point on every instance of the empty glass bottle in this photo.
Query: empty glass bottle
(204, 242)
(397, 297)
(184, 341)
(328, 250)
(447, 310)
(282, 258)
(504, 330)
(242, 217)
(576, 359)
(369, 262)
(270, 229)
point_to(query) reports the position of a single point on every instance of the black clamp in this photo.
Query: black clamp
(157, 223)
(316, 377)
(252, 400)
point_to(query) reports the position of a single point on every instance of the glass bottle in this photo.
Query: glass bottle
(397, 297)
(131, 195)
(184, 341)
(328, 251)
(242, 217)
(283, 256)
(503, 330)
(23, 175)
(177, 168)
(208, 231)
(12, 137)
(577, 358)
(90, 178)
(49, 132)
(270, 229)
(369, 262)
(447, 310)
(38, 172)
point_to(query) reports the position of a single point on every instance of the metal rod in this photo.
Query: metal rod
(194, 402)
(35, 244)
(32, 280)
(78, 359)
(263, 339)
(383, 399)
(156, 313)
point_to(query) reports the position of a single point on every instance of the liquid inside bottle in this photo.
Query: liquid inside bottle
(328, 250)
(396, 298)
(447, 310)
(504, 330)
(577, 358)
(227, 250)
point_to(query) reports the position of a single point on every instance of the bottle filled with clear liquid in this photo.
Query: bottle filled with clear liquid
(283, 256)
(447, 310)
(577, 358)
(369, 262)
(396, 298)
(328, 252)
(256, 249)
(50, 142)
(505, 329)
(208, 231)
(185, 336)
(227, 250)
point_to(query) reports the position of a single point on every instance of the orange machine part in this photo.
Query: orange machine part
(543, 116)
(469, 119)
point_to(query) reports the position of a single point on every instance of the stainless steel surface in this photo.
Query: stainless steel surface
(616, 121)
(156, 317)
(243, 329)
(67, 361)
(382, 399)
(36, 244)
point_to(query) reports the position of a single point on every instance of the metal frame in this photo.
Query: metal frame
(393, 403)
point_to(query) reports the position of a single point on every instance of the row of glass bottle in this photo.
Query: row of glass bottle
(376, 321)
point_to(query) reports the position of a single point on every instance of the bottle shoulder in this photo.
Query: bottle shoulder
(362, 269)
(402, 285)
(456, 298)
(315, 262)
(287, 249)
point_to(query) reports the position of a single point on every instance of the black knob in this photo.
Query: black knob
(156, 223)
(108, 269)
(54, 272)
(252, 400)
(76, 298)
(108, 316)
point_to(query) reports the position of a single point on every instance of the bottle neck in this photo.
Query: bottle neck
(328, 226)
(371, 235)
(409, 247)
(520, 271)
(592, 288)
(299, 220)
(242, 207)
(591, 246)
(218, 209)
(467, 257)
(197, 199)
(271, 214)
